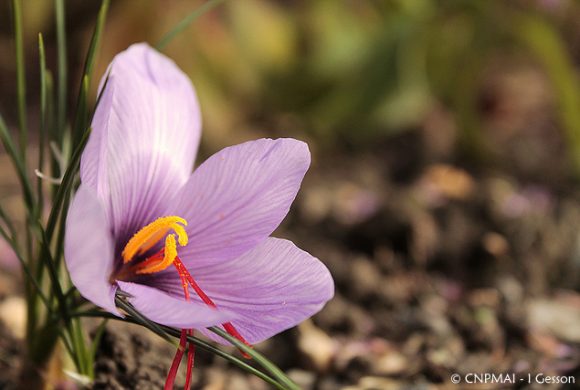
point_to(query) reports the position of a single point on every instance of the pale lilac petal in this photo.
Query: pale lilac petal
(271, 288)
(167, 310)
(145, 136)
(88, 249)
(238, 197)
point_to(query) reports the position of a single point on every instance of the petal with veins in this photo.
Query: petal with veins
(171, 311)
(145, 136)
(88, 249)
(236, 198)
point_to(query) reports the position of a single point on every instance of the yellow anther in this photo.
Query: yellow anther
(151, 234)
(182, 237)
(169, 255)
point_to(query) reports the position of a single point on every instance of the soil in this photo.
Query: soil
(438, 270)
(443, 271)
(10, 350)
(447, 271)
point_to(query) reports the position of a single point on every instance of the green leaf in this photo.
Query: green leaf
(20, 78)
(43, 122)
(82, 113)
(62, 69)
(259, 358)
(186, 22)
(176, 333)
(18, 163)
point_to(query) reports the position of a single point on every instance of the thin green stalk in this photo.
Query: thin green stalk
(9, 224)
(81, 116)
(186, 22)
(47, 260)
(142, 319)
(68, 346)
(59, 247)
(68, 178)
(261, 360)
(97, 339)
(62, 68)
(20, 78)
(65, 187)
(80, 346)
(17, 161)
(43, 123)
(196, 341)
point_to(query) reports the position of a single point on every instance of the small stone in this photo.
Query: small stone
(366, 278)
(304, 379)
(391, 363)
(557, 317)
(238, 382)
(316, 345)
(13, 314)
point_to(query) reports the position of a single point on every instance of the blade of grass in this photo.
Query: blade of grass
(261, 360)
(8, 222)
(6, 140)
(43, 123)
(98, 336)
(65, 187)
(129, 309)
(59, 247)
(20, 78)
(195, 340)
(186, 22)
(48, 261)
(80, 346)
(81, 116)
(62, 69)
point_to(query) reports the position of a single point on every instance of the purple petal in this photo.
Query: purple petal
(88, 250)
(146, 132)
(271, 288)
(167, 310)
(238, 197)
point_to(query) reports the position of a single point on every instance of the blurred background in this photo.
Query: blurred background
(443, 194)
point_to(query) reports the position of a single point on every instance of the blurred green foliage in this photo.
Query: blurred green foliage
(352, 71)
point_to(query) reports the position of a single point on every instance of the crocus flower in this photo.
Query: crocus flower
(189, 250)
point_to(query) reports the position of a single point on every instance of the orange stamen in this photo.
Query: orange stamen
(153, 264)
(143, 241)
(151, 234)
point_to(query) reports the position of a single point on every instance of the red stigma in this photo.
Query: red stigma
(186, 282)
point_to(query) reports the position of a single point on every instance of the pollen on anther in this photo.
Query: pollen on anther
(152, 233)
(153, 265)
